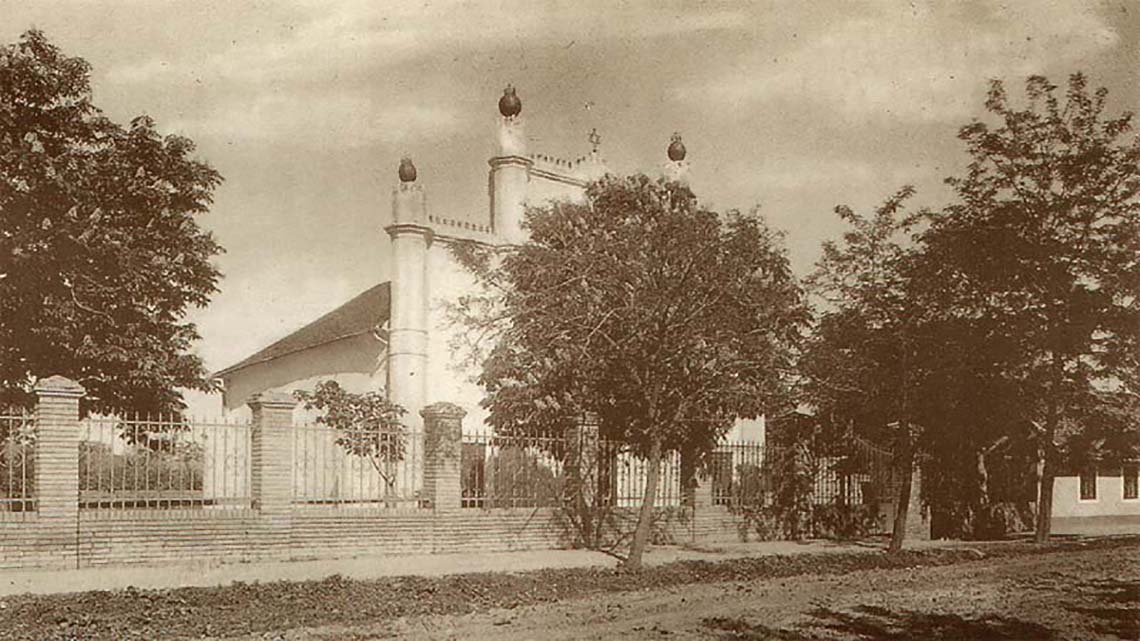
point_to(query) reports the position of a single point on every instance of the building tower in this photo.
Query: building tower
(510, 172)
(408, 324)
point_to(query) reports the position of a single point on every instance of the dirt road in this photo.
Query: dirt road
(1077, 595)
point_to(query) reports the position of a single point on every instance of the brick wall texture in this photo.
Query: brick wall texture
(153, 537)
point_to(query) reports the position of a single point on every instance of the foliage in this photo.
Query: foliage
(854, 365)
(863, 367)
(1040, 252)
(666, 319)
(176, 470)
(845, 522)
(367, 425)
(794, 474)
(519, 477)
(100, 254)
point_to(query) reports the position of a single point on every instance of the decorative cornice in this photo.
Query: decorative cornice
(273, 400)
(396, 229)
(499, 161)
(60, 386)
(443, 409)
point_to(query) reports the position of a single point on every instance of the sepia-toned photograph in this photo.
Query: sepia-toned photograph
(568, 320)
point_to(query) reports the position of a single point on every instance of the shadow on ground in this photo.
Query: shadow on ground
(1112, 604)
(880, 624)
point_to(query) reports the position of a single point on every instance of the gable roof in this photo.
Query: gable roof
(366, 312)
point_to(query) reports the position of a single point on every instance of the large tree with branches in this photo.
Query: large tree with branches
(1042, 249)
(100, 253)
(863, 366)
(667, 320)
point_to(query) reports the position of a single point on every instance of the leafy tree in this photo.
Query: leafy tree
(862, 365)
(667, 320)
(367, 425)
(1042, 250)
(100, 254)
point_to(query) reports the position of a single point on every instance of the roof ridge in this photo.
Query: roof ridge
(361, 313)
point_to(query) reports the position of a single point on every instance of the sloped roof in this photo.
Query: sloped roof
(364, 313)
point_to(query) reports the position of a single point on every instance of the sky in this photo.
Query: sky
(305, 107)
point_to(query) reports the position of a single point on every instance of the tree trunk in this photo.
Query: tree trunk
(1046, 455)
(645, 517)
(902, 499)
(981, 512)
(906, 456)
(1044, 497)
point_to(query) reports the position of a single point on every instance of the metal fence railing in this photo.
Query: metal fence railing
(750, 473)
(512, 471)
(630, 476)
(357, 468)
(163, 462)
(17, 461)
(531, 471)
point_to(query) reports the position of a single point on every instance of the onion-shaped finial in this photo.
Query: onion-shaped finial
(407, 170)
(676, 149)
(509, 103)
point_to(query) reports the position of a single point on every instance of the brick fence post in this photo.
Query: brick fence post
(271, 467)
(57, 465)
(271, 464)
(443, 437)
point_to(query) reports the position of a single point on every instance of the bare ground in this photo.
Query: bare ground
(1079, 595)
(1069, 589)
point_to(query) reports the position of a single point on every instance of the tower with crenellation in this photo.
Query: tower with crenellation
(399, 336)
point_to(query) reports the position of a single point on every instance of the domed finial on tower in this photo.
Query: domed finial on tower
(676, 149)
(407, 170)
(509, 104)
(676, 168)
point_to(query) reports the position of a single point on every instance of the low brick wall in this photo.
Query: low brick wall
(156, 537)
(120, 537)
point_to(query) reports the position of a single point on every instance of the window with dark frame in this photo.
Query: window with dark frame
(1088, 484)
(1131, 490)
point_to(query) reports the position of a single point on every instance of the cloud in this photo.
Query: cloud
(329, 120)
(919, 64)
(339, 38)
(329, 74)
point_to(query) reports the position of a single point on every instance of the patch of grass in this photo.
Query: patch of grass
(258, 608)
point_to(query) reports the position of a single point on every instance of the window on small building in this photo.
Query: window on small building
(1130, 478)
(1088, 484)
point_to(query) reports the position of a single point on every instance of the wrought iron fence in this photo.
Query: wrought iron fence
(17, 461)
(361, 467)
(631, 473)
(163, 462)
(513, 471)
(751, 473)
(532, 471)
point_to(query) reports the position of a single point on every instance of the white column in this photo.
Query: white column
(510, 174)
(407, 325)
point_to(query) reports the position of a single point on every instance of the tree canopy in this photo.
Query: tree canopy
(1042, 252)
(1009, 319)
(864, 363)
(100, 253)
(666, 319)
